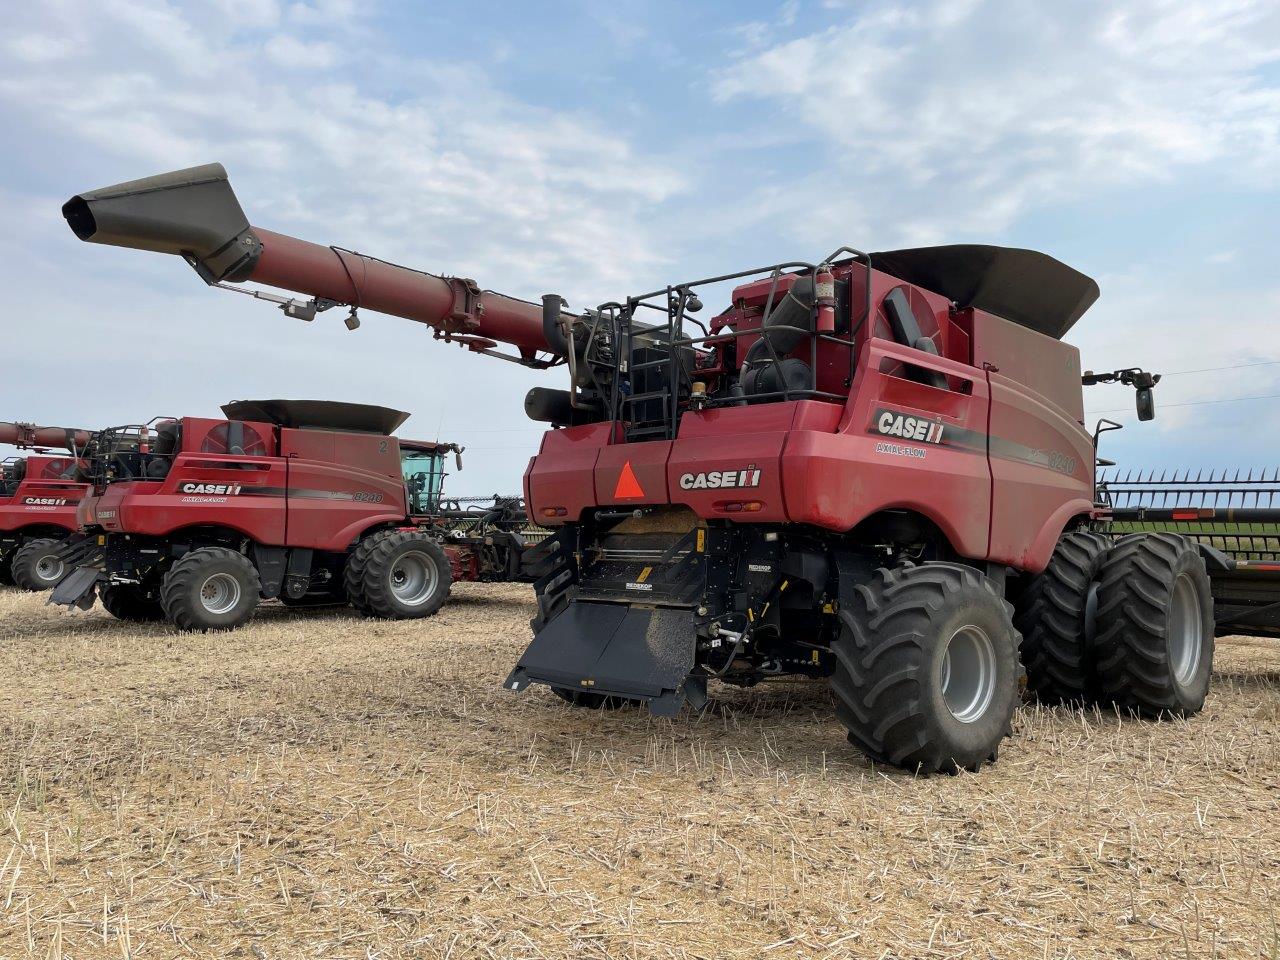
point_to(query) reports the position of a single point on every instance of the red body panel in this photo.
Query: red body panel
(633, 474)
(321, 490)
(554, 479)
(43, 499)
(998, 460)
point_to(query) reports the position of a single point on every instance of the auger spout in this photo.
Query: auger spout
(195, 214)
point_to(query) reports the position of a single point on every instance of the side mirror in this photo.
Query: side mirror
(1146, 402)
(1141, 381)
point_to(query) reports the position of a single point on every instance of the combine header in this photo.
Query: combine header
(850, 472)
(38, 498)
(1236, 514)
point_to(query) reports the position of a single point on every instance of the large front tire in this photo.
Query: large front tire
(211, 588)
(37, 565)
(6, 571)
(399, 575)
(1054, 616)
(927, 672)
(1154, 650)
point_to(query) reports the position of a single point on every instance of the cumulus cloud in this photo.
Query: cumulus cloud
(419, 161)
(457, 176)
(978, 112)
(288, 51)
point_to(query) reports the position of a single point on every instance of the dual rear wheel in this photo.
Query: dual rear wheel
(1128, 625)
(398, 575)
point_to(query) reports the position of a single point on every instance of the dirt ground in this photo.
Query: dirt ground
(323, 786)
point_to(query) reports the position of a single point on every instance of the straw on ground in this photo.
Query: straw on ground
(318, 785)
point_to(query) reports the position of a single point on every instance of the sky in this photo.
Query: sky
(602, 149)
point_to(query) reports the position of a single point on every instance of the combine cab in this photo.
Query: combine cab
(870, 469)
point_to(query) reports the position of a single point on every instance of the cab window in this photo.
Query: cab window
(423, 475)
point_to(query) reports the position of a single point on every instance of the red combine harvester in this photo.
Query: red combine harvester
(849, 473)
(195, 519)
(38, 499)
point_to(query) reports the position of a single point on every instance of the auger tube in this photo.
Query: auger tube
(26, 435)
(195, 214)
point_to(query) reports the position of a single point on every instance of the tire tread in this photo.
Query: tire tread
(1050, 617)
(1131, 649)
(884, 646)
(174, 588)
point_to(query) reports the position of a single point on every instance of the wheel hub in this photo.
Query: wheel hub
(968, 673)
(220, 593)
(48, 568)
(413, 579)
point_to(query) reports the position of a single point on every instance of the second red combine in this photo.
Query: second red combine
(195, 519)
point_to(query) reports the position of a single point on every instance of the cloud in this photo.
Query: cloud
(1215, 344)
(424, 162)
(457, 175)
(976, 113)
(327, 12)
(288, 51)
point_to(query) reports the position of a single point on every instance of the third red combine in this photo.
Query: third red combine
(870, 468)
(38, 498)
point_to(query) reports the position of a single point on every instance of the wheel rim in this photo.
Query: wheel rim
(968, 673)
(1186, 628)
(413, 578)
(48, 568)
(220, 593)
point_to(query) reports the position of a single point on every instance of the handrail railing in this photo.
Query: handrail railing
(679, 350)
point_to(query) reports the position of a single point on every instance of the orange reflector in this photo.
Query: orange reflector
(628, 487)
(740, 506)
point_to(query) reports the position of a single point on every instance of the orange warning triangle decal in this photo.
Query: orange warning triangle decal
(628, 487)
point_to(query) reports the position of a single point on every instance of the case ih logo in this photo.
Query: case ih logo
(217, 489)
(45, 501)
(893, 424)
(720, 479)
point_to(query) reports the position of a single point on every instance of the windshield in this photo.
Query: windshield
(11, 471)
(423, 477)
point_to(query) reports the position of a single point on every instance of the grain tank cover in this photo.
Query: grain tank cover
(318, 415)
(1031, 289)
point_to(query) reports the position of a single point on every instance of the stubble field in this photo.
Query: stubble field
(317, 785)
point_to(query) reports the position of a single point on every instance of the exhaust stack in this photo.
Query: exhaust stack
(195, 214)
